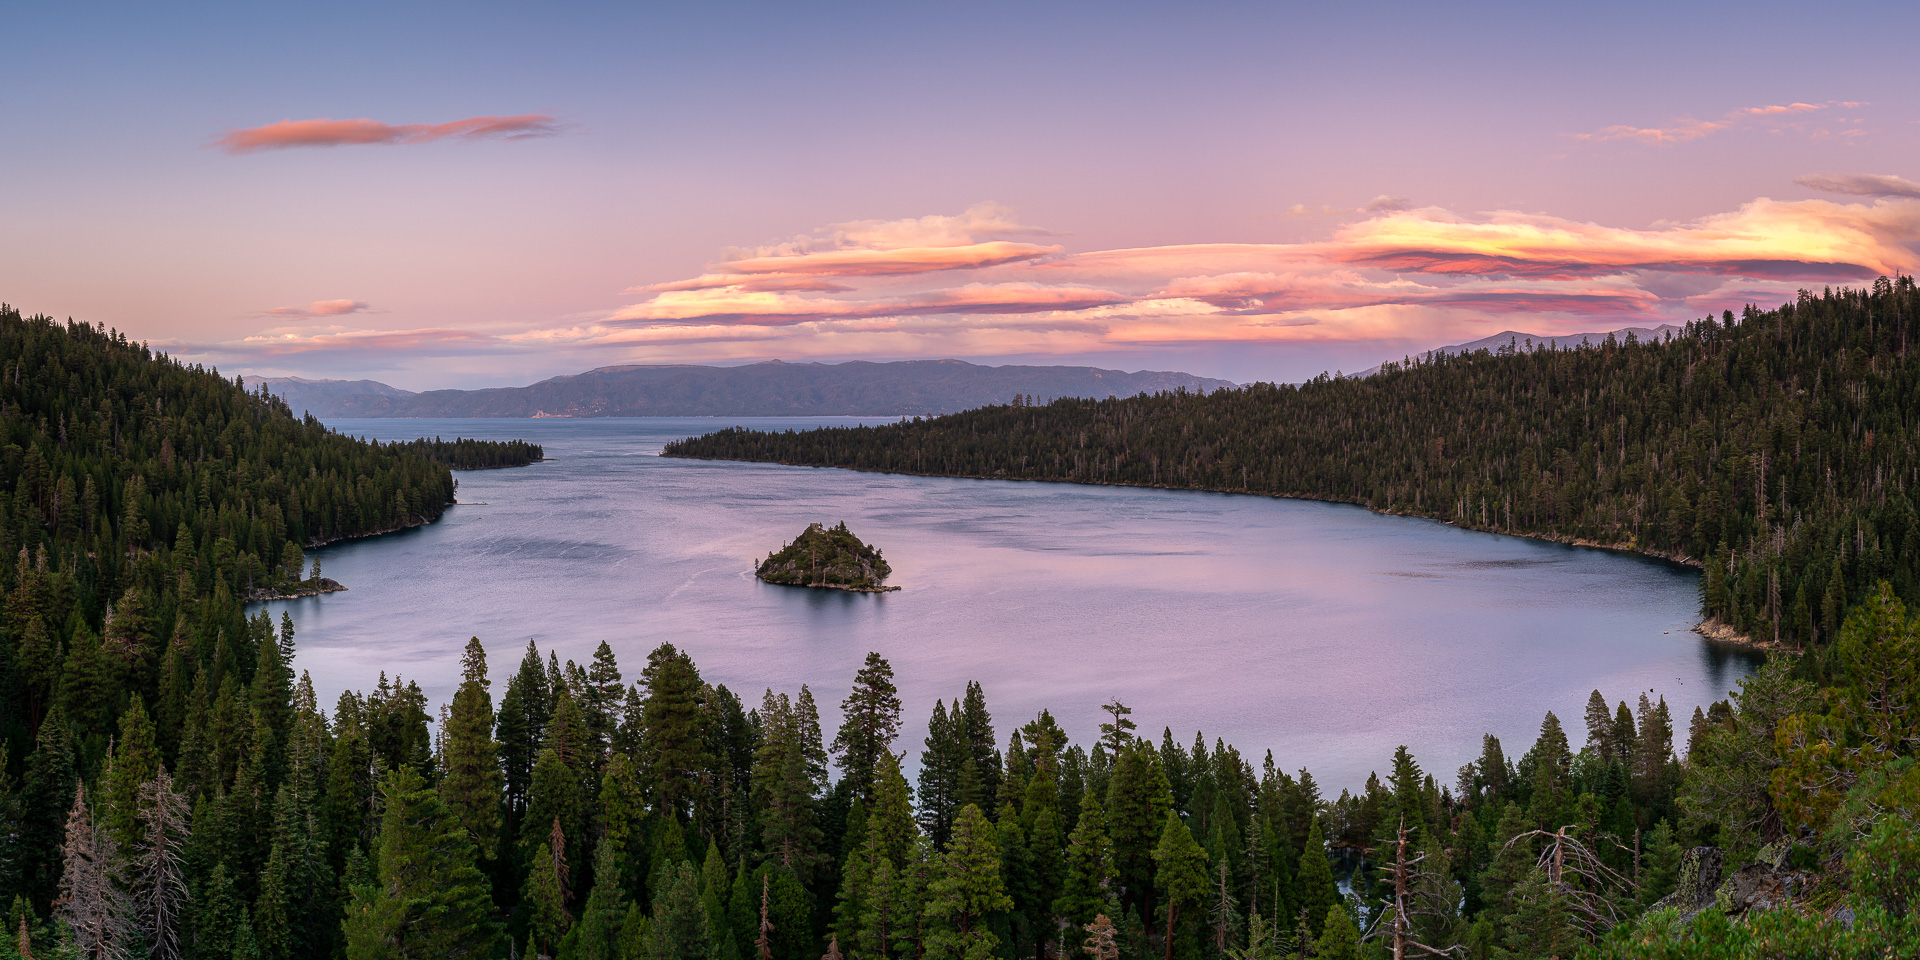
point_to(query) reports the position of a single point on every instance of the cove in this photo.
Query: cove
(1322, 632)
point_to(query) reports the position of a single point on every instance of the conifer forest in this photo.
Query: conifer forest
(170, 788)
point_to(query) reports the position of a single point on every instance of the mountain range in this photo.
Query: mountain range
(771, 388)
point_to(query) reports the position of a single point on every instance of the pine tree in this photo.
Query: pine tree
(135, 760)
(471, 780)
(783, 788)
(601, 699)
(1138, 800)
(1314, 889)
(521, 729)
(554, 797)
(597, 937)
(680, 928)
(1181, 875)
(673, 735)
(714, 888)
(979, 771)
(430, 901)
(872, 721)
(623, 822)
(966, 888)
(1084, 893)
(1660, 865)
(940, 764)
(1339, 938)
(546, 894)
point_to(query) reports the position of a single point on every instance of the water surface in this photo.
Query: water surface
(1320, 631)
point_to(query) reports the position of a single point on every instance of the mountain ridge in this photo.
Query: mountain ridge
(767, 388)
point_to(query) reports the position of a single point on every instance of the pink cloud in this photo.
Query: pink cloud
(960, 286)
(1685, 129)
(1402, 274)
(336, 133)
(1861, 184)
(291, 340)
(320, 308)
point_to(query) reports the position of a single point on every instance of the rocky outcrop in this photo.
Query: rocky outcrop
(1699, 881)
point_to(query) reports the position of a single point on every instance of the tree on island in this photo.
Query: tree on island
(827, 557)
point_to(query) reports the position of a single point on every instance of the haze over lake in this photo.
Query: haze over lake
(1323, 632)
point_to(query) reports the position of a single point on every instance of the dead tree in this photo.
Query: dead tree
(1102, 940)
(160, 885)
(765, 940)
(92, 900)
(1566, 859)
(1413, 895)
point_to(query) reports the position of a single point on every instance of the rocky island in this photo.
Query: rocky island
(828, 558)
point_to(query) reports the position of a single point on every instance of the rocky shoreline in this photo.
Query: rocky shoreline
(305, 588)
(831, 586)
(1719, 631)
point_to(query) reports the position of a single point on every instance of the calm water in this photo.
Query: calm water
(1322, 632)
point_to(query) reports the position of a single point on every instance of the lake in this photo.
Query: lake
(1323, 632)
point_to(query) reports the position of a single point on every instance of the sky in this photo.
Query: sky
(478, 195)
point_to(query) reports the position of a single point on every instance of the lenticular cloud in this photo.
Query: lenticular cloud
(326, 132)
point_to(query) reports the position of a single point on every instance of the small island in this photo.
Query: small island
(831, 559)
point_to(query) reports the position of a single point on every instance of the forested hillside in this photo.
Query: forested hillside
(463, 454)
(1777, 449)
(170, 789)
(142, 500)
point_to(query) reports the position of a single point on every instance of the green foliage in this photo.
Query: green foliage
(966, 889)
(430, 901)
(680, 930)
(463, 454)
(872, 721)
(826, 557)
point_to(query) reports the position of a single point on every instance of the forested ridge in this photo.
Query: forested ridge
(170, 788)
(463, 454)
(1776, 449)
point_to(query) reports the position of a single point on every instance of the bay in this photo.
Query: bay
(1322, 632)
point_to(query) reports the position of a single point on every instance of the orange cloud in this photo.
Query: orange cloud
(337, 133)
(1684, 129)
(1763, 238)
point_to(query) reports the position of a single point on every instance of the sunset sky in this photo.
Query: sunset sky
(474, 195)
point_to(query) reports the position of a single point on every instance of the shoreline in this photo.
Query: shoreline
(827, 586)
(305, 588)
(1559, 538)
(1717, 630)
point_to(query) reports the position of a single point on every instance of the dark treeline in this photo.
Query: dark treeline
(463, 454)
(1777, 449)
(583, 817)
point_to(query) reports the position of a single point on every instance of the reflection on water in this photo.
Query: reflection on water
(1320, 631)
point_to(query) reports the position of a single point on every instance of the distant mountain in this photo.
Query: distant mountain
(772, 388)
(1535, 341)
(303, 395)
